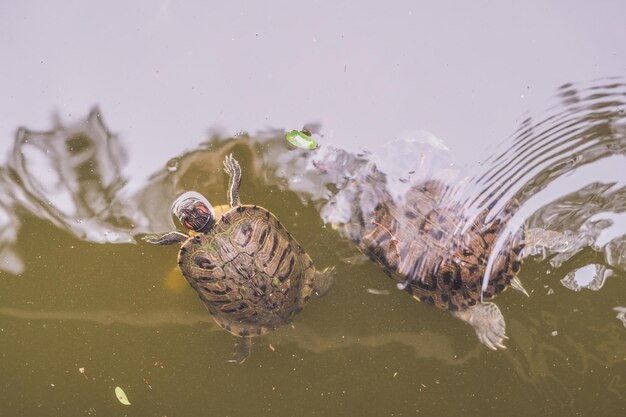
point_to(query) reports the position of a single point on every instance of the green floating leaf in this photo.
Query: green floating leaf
(121, 396)
(300, 140)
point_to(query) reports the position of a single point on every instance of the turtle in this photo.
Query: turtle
(251, 274)
(421, 243)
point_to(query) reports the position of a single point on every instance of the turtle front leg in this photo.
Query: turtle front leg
(166, 238)
(488, 323)
(232, 168)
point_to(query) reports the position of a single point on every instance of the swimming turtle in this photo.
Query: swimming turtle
(248, 270)
(427, 246)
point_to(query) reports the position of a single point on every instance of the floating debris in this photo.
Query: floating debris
(82, 371)
(301, 140)
(121, 396)
(272, 348)
(377, 292)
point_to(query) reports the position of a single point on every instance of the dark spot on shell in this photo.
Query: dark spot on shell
(445, 297)
(515, 266)
(447, 277)
(307, 298)
(255, 207)
(197, 238)
(409, 214)
(488, 294)
(452, 307)
(244, 333)
(203, 263)
(467, 252)
(263, 237)
(240, 209)
(473, 269)
(436, 234)
(458, 280)
(183, 250)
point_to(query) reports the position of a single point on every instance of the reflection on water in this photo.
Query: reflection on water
(70, 176)
(564, 167)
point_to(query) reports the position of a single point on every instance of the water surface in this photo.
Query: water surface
(500, 101)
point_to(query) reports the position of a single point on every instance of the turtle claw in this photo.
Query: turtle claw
(516, 284)
(488, 323)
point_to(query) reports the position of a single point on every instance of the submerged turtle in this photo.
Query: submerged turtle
(248, 270)
(427, 246)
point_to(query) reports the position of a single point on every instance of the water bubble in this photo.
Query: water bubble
(172, 165)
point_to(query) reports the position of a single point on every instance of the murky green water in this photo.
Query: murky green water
(86, 306)
(81, 318)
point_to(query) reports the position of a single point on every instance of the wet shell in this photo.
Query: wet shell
(420, 246)
(250, 273)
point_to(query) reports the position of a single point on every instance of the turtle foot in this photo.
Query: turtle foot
(324, 280)
(166, 238)
(232, 168)
(488, 323)
(241, 351)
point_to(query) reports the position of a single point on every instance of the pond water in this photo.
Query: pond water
(110, 112)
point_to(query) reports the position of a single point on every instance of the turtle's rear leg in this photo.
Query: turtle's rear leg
(241, 350)
(488, 322)
(324, 280)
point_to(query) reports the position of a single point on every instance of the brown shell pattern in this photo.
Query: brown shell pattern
(419, 244)
(250, 273)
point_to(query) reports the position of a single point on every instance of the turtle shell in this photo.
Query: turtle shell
(248, 270)
(420, 244)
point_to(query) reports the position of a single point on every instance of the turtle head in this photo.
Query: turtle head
(194, 212)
